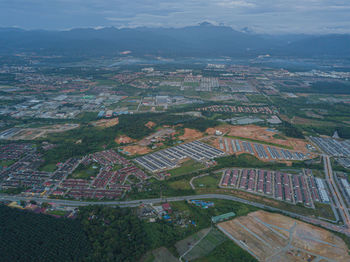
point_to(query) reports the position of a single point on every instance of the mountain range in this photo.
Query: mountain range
(204, 40)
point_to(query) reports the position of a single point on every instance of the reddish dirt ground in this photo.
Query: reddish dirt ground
(259, 133)
(274, 237)
(123, 140)
(150, 124)
(191, 134)
(136, 150)
(106, 122)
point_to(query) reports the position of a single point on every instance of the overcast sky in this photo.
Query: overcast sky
(262, 16)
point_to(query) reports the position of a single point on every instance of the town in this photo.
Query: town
(196, 150)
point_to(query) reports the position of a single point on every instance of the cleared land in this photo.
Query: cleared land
(136, 150)
(158, 136)
(260, 133)
(106, 122)
(191, 134)
(123, 140)
(150, 124)
(34, 133)
(274, 237)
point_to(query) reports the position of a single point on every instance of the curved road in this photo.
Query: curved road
(134, 203)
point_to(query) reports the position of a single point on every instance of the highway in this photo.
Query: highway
(135, 203)
(343, 210)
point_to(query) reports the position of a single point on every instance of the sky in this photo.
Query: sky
(260, 16)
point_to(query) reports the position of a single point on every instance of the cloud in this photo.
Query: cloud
(233, 4)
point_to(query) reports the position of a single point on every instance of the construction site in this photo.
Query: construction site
(274, 237)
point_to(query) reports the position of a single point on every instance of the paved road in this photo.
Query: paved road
(134, 203)
(335, 191)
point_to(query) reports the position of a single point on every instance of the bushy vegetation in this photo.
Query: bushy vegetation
(343, 131)
(245, 160)
(289, 130)
(116, 234)
(156, 188)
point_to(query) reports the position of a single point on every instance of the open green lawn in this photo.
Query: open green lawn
(209, 181)
(48, 168)
(279, 136)
(85, 172)
(318, 173)
(134, 179)
(206, 245)
(6, 162)
(324, 210)
(227, 251)
(186, 168)
(13, 191)
(180, 184)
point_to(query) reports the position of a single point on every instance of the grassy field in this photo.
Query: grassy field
(258, 99)
(279, 136)
(186, 168)
(210, 181)
(227, 251)
(6, 162)
(318, 173)
(180, 184)
(85, 172)
(134, 179)
(206, 245)
(183, 245)
(162, 254)
(324, 210)
(48, 168)
(13, 191)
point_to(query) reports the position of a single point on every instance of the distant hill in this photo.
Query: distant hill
(204, 40)
(326, 45)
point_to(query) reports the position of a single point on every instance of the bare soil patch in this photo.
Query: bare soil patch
(274, 237)
(150, 124)
(136, 150)
(191, 134)
(259, 133)
(34, 133)
(106, 122)
(124, 140)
